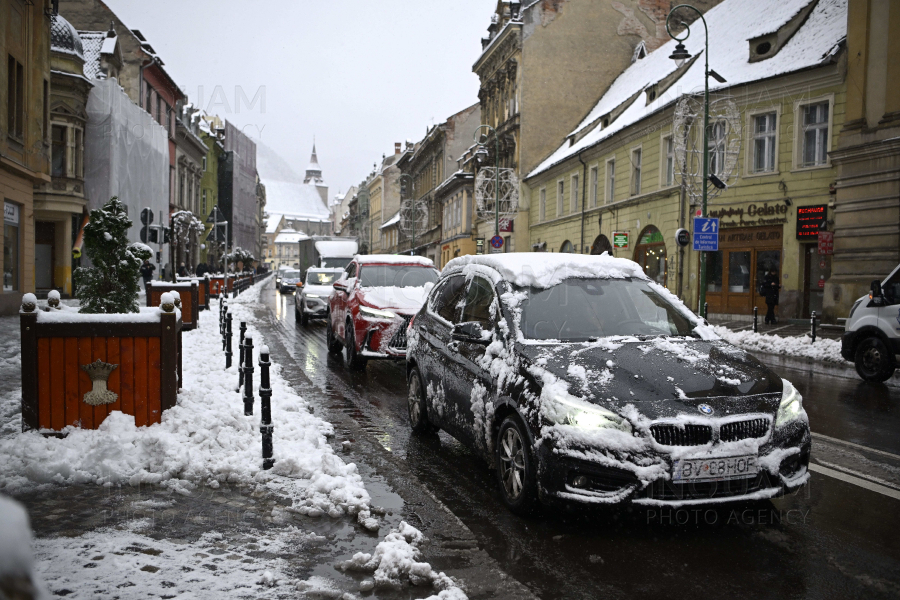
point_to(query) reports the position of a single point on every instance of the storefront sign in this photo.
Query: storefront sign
(506, 225)
(810, 220)
(751, 237)
(821, 283)
(826, 242)
(620, 239)
(706, 234)
(757, 214)
(682, 237)
(11, 213)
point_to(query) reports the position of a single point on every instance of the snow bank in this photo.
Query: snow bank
(394, 562)
(70, 314)
(15, 540)
(824, 350)
(204, 440)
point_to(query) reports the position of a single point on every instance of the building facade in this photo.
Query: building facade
(238, 198)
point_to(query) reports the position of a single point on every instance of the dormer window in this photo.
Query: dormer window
(769, 44)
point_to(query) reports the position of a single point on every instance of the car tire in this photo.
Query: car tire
(354, 360)
(874, 361)
(516, 470)
(331, 340)
(417, 407)
(296, 313)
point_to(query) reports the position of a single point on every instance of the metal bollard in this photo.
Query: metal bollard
(265, 403)
(812, 322)
(248, 376)
(228, 341)
(755, 320)
(243, 329)
(706, 310)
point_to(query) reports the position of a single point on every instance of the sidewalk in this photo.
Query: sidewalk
(183, 509)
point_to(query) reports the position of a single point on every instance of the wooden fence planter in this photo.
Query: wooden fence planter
(58, 344)
(202, 287)
(188, 291)
(217, 284)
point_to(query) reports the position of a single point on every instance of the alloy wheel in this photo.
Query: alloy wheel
(512, 463)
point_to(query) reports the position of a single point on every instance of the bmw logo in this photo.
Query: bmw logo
(706, 409)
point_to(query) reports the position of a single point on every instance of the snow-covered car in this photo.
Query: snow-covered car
(311, 301)
(289, 280)
(871, 337)
(580, 380)
(373, 302)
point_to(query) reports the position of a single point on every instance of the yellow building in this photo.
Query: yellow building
(25, 140)
(615, 184)
(457, 195)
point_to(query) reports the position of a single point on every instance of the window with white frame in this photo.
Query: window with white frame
(635, 171)
(542, 205)
(764, 142)
(669, 160)
(593, 184)
(814, 144)
(610, 180)
(716, 144)
(573, 194)
(560, 195)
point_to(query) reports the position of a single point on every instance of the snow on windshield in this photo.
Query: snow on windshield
(400, 276)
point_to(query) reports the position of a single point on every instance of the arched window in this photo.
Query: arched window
(567, 247)
(601, 244)
(650, 253)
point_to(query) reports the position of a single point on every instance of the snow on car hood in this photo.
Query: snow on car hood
(401, 298)
(322, 291)
(662, 377)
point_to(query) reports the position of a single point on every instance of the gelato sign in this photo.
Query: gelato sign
(754, 214)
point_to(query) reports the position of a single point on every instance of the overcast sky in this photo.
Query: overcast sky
(358, 75)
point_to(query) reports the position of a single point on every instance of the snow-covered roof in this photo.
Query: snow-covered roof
(392, 259)
(298, 200)
(289, 236)
(527, 269)
(337, 248)
(272, 223)
(392, 221)
(64, 38)
(731, 24)
(96, 44)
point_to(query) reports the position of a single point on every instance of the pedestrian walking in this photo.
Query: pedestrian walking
(202, 269)
(770, 289)
(147, 272)
(182, 272)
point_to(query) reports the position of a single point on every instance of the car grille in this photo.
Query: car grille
(398, 342)
(698, 490)
(742, 430)
(674, 435)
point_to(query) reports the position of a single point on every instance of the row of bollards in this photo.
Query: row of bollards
(813, 320)
(755, 320)
(812, 325)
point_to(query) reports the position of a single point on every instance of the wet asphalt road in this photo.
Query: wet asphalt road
(833, 540)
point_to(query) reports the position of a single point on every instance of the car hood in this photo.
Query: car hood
(398, 298)
(662, 377)
(323, 291)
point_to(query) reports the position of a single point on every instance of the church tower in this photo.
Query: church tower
(314, 175)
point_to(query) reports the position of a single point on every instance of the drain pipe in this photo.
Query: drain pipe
(681, 199)
(583, 197)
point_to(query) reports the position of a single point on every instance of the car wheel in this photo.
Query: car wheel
(334, 344)
(354, 360)
(516, 472)
(874, 362)
(417, 406)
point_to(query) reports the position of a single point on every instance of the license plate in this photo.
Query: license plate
(715, 469)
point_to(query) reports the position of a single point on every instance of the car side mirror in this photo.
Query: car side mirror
(470, 332)
(875, 289)
(340, 286)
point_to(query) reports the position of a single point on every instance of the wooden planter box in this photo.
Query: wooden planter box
(55, 347)
(188, 291)
(202, 287)
(217, 284)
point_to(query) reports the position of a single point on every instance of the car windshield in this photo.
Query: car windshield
(335, 263)
(584, 309)
(291, 275)
(396, 276)
(320, 278)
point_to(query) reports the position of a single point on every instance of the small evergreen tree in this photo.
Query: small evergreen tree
(111, 284)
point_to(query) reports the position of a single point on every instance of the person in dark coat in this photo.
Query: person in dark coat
(182, 271)
(147, 272)
(771, 287)
(201, 270)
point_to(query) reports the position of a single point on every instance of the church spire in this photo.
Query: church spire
(313, 170)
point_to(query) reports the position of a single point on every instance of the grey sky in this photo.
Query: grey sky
(359, 75)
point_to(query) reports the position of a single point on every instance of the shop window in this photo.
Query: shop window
(714, 271)
(739, 271)
(11, 247)
(593, 175)
(716, 145)
(610, 180)
(815, 134)
(764, 143)
(669, 160)
(650, 253)
(567, 248)
(636, 172)
(58, 150)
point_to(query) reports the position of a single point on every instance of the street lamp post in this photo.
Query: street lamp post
(679, 56)
(412, 246)
(480, 155)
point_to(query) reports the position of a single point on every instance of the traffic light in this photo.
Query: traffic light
(154, 235)
(166, 235)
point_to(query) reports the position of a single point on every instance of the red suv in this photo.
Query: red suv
(374, 300)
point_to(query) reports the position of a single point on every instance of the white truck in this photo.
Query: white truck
(872, 334)
(324, 251)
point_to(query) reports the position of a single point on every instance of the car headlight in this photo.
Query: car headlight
(374, 313)
(791, 405)
(570, 411)
(312, 295)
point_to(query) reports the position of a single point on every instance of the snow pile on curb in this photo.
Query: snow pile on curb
(204, 440)
(394, 561)
(824, 350)
(16, 562)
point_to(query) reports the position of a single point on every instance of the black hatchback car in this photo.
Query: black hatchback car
(580, 380)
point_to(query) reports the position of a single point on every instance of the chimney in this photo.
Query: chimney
(397, 148)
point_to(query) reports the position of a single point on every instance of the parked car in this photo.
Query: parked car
(872, 333)
(582, 381)
(278, 274)
(289, 280)
(373, 302)
(311, 301)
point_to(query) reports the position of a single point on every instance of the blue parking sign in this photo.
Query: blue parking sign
(706, 234)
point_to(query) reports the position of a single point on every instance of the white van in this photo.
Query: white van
(872, 335)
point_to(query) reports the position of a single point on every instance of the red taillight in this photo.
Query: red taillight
(411, 321)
